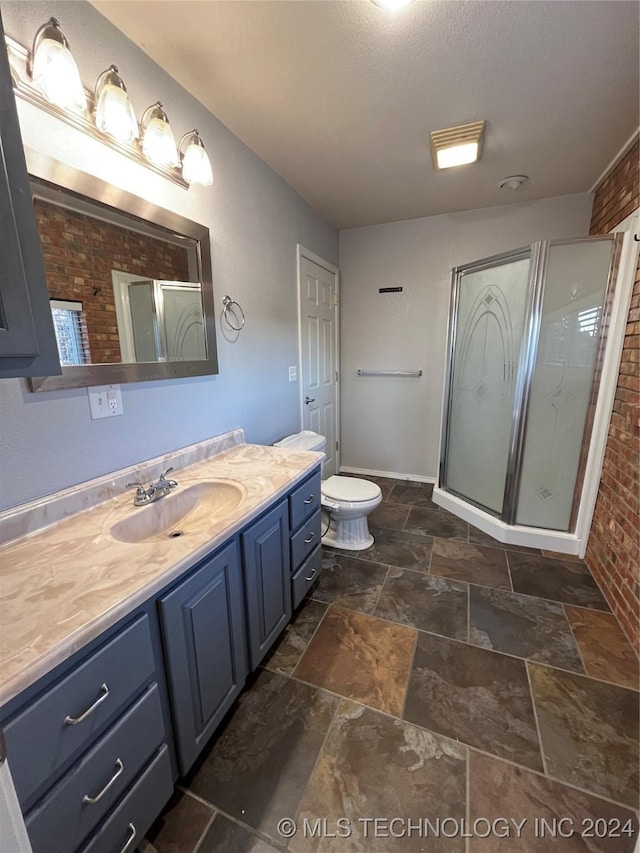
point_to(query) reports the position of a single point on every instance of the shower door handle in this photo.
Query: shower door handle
(309, 400)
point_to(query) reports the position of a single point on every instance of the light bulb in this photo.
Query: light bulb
(114, 113)
(196, 168)
(53, 68)
(158, 142)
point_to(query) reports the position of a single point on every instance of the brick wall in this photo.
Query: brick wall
(79, 254)
(613, 551)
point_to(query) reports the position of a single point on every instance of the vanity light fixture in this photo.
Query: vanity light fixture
(114, 113)
(457, 146)
(158, 141)
(196, 168)
(53, 68)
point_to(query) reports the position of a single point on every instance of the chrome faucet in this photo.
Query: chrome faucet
(154, 491)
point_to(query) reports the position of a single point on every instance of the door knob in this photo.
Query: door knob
(309, 400)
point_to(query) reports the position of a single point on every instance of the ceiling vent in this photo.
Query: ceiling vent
(457, 146)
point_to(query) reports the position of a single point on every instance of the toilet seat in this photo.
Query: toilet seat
(350, 489)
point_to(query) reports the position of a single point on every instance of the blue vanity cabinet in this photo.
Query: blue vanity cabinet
(92, 741)
(306, 525)
(265, 551)
(204, 630)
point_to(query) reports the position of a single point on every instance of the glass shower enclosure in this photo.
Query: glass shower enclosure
(527, 332)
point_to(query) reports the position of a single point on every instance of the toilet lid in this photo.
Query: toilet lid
(350, 489)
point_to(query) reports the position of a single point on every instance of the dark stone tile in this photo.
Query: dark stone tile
(479, 537)
(360, 657)
(258, 767)
(497, 789)
(349, 582)
(374, 766)
(413, 494)
(398, 548)
(474, 695)
(436, 522)
(287, 651)
(523, 626)
(605, 650)
(389, 515)
(425, 601)
(589, 732)
(225, 836)
(181, 824)
(545, 577)
(472, 563)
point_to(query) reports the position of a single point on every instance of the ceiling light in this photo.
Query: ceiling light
(158, 142)
(53, 68)
(457, 146)
(113, 112)
(196, 168)
(392, 5)
(513, 182)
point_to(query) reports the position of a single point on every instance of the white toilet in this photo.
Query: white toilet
(348, 500)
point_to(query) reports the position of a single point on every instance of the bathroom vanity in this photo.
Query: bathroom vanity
(130, 631)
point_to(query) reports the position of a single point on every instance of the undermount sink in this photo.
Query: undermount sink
(187, 509)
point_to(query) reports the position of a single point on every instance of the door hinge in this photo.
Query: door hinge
(336, 375)
(337, 446)
(335, 299)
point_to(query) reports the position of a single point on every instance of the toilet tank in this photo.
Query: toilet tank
(305, 440)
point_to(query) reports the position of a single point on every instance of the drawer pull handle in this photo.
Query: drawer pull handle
(132, 835)
(310, 539)
(312, 575)
(73, 721)
(310, 499)
(98, 797)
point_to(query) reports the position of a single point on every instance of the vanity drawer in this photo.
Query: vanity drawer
(305, 577)
(125, 828)
(304, 501)
(305, 540)
(68, 716)
(65, 817)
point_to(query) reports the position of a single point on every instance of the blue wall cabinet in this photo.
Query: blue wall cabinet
(27, 339)
(203, 626)
(265, 549)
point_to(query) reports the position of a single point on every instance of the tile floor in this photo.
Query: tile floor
(484, 697)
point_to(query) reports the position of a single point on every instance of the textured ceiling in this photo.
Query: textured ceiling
(339, 97)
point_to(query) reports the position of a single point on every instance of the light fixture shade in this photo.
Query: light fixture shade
(54, 70)
(392, 5)
(196, 168)
(158, 141)
(457, 146)
(113, 111)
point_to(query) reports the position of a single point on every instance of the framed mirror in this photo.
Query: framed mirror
(130, 284)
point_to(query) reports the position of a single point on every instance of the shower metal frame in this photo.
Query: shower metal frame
(538, 254)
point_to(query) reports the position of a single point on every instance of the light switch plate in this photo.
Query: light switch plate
(293, 374)
(105, 401)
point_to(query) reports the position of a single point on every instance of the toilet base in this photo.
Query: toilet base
(349, 534)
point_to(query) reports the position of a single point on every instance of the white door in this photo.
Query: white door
(318, 301)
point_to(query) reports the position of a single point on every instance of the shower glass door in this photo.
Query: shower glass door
(573, 322)
(487, 328)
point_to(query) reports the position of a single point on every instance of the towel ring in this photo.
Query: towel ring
(227, 308)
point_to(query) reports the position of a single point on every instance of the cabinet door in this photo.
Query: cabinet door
(203, 629)
(265, 548)
(27, 340)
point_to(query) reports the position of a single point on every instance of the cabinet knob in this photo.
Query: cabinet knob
(310, 500)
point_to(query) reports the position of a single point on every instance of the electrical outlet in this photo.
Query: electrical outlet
(105, 401)
(293, 374)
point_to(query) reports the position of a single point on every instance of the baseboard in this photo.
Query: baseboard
(392, 475)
